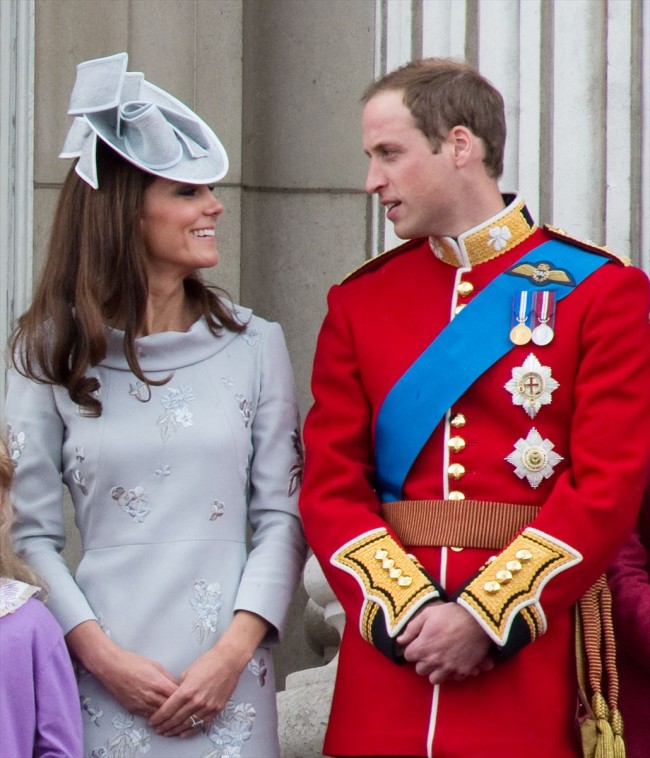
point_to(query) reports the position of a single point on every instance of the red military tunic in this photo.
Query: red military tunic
(594, 413)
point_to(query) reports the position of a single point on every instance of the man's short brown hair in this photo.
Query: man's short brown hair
(441, 93)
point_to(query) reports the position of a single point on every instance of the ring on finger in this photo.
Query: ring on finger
(195, 722)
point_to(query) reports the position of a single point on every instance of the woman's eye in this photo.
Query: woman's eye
(188, 191)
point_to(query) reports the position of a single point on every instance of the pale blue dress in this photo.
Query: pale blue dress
(165, 492)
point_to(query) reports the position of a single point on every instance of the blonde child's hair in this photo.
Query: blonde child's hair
(12, 566)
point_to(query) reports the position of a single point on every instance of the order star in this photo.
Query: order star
(533, 458)
(531, 385)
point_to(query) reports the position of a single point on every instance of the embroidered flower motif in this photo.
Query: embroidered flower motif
(15, 444)
(122, 721)
(218, 507)
(533, 458)
(102, 625)
(92, 709)
(132, 502)
(80, 481)
(258, 669)
(231, 728)
(141, 740)
(251, 337)
(99, 752)
(79, 453)
(176, 404)
(206, 602)
(227, 382)
(499, 236)
(295, 473)
(245, 408)
(163, 469)
(140, 391)
(531, 385)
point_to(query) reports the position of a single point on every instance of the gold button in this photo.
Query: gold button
(504, 576)
(523, 555)
(456, 471)
(456, 495)
(465, 288)
(404, 581)
(458, 309)
(456, 549)
(513, 566)
(458, 420)
(492, 587)
(381, 554)
(456, 444)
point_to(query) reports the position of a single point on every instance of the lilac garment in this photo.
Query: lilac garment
(39, 702)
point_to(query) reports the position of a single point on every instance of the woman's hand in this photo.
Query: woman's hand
(206, 685)
(140, 685)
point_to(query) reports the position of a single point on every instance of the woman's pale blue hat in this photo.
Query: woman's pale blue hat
(144, 124)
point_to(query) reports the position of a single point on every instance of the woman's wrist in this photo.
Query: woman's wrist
(89, 644)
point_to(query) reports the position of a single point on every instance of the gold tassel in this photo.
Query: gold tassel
(601, 724)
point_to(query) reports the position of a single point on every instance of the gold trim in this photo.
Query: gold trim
(541, 558)
(387, 576)
(479, 245)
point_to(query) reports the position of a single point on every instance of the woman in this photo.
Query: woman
(170, 415)
(629, 580)
(39, 706)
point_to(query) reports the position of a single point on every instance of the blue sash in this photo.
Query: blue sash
(472, 342)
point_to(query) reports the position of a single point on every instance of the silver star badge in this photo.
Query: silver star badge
(533, 458)
(531, 385)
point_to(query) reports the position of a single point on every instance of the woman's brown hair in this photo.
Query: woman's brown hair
(94, 275)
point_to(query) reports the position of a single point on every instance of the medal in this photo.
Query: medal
(520, 334)
(544, 308)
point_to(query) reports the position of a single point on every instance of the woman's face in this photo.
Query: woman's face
(177, 223)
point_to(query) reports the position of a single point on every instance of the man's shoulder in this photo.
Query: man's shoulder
(379, 261)
(562, 236)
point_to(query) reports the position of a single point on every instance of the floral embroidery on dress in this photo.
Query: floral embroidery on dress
(132, 502)
(258, 669)
(127, 742)
(15, 444)
(163, 469)
(206, 602)
(295, 473)
(218, 507)
(79, 453)
(80, 481)
(140, 391)
(227, 382)
(231, 728)
(92, 709)
(251, 337)
(177, 410)
(245, 408)
(103, 626)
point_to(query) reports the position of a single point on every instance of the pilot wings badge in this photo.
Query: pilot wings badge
(542, 273)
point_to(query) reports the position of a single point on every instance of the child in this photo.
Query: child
(40, 714)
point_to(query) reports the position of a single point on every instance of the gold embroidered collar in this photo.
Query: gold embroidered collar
(489, 240)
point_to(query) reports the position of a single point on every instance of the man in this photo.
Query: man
(478, 442)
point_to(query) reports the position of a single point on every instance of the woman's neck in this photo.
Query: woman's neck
(168, 311)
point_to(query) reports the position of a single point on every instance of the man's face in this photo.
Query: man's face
(413, 183)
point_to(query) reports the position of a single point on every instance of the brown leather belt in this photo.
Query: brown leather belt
(457, 523)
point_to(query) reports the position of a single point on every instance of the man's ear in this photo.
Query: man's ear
(463, 143)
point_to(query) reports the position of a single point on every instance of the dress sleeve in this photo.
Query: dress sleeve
(35, 435)
(629, 579)
(379, 585)
(58, 714)
(593, 506)
(277, 555)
